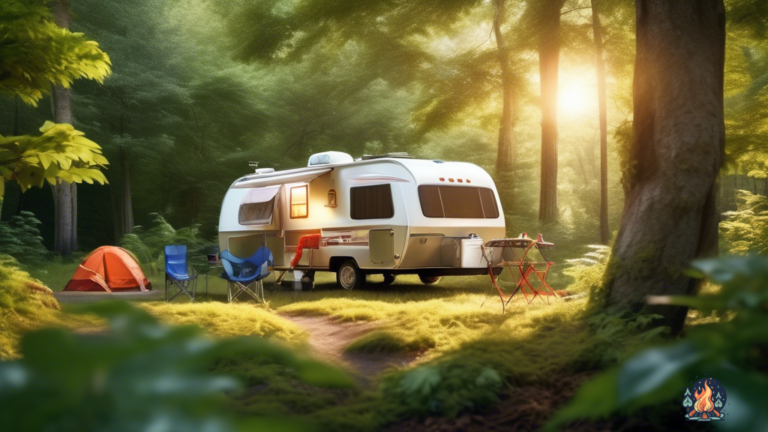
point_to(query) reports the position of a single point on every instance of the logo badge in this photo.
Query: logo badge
(706, 402)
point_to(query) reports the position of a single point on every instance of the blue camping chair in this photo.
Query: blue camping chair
(246, 275)
(177, 272)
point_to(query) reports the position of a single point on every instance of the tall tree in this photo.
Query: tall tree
(677, 147)
(64, 193)
(597, 32)
(505, 151)
(389, 32)
(34, 53)
(547, 14)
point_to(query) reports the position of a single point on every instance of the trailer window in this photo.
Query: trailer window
(299, 202)
(257, 205)
(460, 202)
(371, 202)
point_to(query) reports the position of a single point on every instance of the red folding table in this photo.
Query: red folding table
(527, 269)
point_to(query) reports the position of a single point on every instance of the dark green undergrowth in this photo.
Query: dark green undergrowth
(382, 341)
(273, 389)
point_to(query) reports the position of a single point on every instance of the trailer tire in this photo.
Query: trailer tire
(389, 278)
(349, 276)
(429, 280)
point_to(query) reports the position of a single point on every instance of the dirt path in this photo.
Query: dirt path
(87, 296)
(329, 337)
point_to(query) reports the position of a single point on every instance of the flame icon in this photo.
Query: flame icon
(705, 408)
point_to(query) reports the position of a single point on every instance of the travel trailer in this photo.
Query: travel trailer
(386, 215)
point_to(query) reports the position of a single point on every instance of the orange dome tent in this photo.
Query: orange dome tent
(109, 268)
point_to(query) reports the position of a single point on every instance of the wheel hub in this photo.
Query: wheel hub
(347, 277)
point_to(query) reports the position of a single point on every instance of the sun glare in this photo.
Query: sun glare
(577, 95)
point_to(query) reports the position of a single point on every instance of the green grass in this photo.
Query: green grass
(222, 319)
(25, 305)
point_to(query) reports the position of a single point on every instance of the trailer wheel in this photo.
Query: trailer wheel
(429, 280)
(389, 278)
(348, 276)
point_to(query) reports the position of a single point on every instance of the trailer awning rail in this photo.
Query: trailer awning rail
(278, 178)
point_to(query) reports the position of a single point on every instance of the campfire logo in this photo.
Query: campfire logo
(707, 401)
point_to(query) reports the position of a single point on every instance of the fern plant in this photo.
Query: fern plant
(587, 271)
(149, 244)
(21, 239)
(745, 230)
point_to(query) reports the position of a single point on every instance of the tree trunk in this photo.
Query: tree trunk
(670, 217)
(126, 195)
(505, 158)
(549, 63)
(65, 200)
(597, 30)
(117, 217)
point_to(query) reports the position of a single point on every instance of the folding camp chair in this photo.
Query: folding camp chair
(246, 275)
(177, 272)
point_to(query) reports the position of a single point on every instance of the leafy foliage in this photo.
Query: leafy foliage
(141, 375)
(35, 52)
(745, 230)
(446, 389)
(587, 271)
(148, 245)
(24, 304)
(731, 349)
(61, 152)
(20, 238)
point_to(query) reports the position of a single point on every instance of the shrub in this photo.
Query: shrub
(24, 303)
(447, 389)
(587, 271)
(21, 239)
(746, 229)
(148, 245)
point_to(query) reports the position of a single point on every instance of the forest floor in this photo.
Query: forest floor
(381, 333)
(329, 339)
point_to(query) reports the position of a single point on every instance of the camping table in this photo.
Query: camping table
(527, 269)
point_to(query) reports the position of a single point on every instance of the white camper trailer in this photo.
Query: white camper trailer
(375, 215)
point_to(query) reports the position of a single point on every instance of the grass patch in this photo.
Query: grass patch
(26, 304)
(384, 342)
(223, 319)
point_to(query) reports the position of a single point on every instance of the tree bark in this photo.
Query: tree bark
(597, 31)
(670, 216)
(65, 194)
(505, 158)
(126, 195)
(549, 63)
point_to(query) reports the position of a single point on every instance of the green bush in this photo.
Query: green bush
(141, 375)
(587, 271)
(731, 349)
(148, 245)
(746, 229)
(446, 389)
(21, 239)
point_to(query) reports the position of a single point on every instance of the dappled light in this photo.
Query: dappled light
(426, 215)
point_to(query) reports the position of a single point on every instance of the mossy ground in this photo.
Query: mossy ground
(529, 345)
(27, 304)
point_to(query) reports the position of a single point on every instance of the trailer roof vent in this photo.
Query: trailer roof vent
(398, 155)
(328, 158)
(264, 170)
